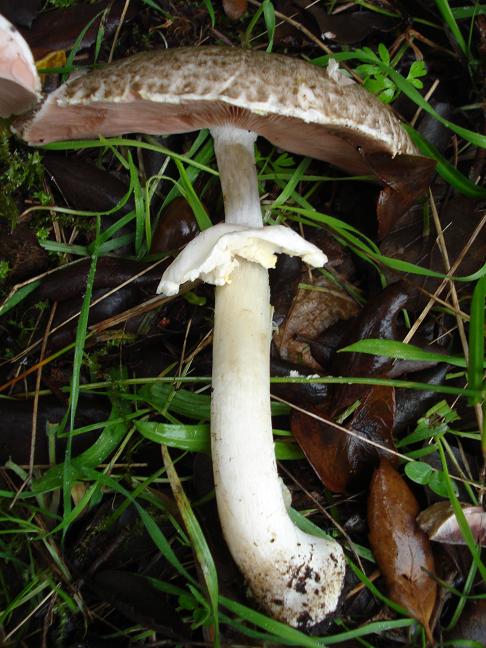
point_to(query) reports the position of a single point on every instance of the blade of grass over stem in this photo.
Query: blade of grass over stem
(183, 404)
(195, 438)
(199, 544)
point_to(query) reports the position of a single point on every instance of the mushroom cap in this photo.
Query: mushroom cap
(19, 82)
(295, 105)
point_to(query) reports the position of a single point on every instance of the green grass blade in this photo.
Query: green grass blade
(200, 214)
(401, 351)
(476, 340)
(450, 174)
(194, 438)
(138, 196)
(460, 13)
(17, 296)
(348, 237)
(76, 145)
(81, 333)
(77, 43)
(113, 432)
(294, 637)
(199, 544)
(269, 17)
(211, 12)
(446, 13)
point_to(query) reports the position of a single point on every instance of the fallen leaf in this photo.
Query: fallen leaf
(21, 249)
(344, 462)
(402, 550)
(317, 305)
(406, 178)
(440, 523)
(234, 9)
(410, 407)
(378, 319)
(58, 29)
(20, 12)
(16, 426)
(346, 28)
(176, 227)
(414, 240)
(69, 280)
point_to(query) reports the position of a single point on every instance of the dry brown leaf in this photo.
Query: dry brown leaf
(313, 310)
(402, 550)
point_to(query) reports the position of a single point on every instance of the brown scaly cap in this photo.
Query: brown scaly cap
(294, 104)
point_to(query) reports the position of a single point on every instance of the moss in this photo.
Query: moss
(19, 171)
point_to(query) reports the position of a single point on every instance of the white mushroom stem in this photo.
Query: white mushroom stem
(296, 577)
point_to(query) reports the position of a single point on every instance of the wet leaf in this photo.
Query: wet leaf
(21, 250)
(20, 12)
(69, 281)
(344, 462)
(406, 178)
(440, 523)
(402, 550)
(307, 391)
(16, 426)
(71, 175)
(413, 238)
(410, 408)
(176, 227)
(346, 28)
(378, 319)
(234, 9)
(59, 29)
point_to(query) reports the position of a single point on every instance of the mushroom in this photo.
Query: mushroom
(239, 94)
(19, 81)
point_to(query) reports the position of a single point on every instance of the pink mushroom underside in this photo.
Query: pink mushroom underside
(79, 121)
